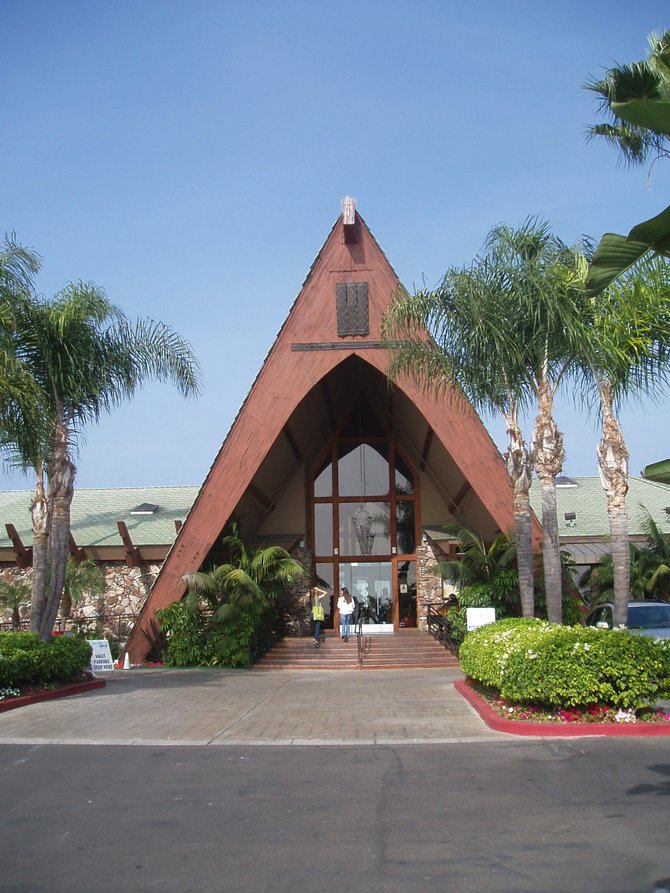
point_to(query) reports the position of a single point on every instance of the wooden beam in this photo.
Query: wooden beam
(291, 442)
(24, 554)
(260, 496)
(458, 498)
(426, 449)
(131, 552)
(78, 555)
(328, 400)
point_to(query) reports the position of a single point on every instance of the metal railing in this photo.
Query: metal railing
(360, 643)
(116, 627)
(441, 629)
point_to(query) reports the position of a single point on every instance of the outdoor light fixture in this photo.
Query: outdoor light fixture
(570, 516)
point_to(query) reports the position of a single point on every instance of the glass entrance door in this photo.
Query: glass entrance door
(371, 585)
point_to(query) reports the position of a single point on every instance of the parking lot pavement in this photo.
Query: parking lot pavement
(213, 706)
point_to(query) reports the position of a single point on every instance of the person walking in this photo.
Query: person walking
(345, 605)
(318, 613)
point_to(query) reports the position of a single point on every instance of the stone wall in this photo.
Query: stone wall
(111, 614)
(428, 585)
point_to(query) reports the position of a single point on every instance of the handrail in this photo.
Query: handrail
(358, 627)
(441, 629)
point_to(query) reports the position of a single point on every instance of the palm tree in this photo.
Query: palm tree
(80, 578)
(546, 330)
(657, 549)
(476, 564)
(246, 582)
(636, 98)
(19, 395)
(13, 596)
(639, 81)
(468, 360)
(649, 569)
(503, 332)
(85, 357)
(629, 354)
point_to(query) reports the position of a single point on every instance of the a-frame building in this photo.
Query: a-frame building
(354, 475)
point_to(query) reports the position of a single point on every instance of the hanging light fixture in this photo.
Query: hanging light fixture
(362, 519)
(363, 529)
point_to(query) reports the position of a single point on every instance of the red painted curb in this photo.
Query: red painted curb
(76, 689)
(555, 730)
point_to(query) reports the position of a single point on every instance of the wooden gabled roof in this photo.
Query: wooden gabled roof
(312, 342)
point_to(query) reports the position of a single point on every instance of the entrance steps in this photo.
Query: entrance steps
(406, 649)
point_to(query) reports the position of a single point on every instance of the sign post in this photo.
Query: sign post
(101, 656)
(476, 617)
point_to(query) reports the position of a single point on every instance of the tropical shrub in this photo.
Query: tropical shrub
(26, 660)
(477, 596)
(485, 651)
(534, 662)
(185, 628)
(229, 614)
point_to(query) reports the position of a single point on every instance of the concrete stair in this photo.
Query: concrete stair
(408, 649)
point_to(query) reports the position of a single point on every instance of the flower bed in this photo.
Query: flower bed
(523, 719)
(11, 698)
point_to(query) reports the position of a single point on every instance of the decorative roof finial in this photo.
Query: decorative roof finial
(348, 210)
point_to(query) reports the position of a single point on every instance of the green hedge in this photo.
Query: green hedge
(194, 640)
(535, 662)
(26, 660)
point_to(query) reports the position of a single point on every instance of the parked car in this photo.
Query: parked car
(646, 618)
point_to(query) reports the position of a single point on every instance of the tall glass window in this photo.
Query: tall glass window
(364, 523)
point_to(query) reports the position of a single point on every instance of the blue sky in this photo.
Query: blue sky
(190, 158)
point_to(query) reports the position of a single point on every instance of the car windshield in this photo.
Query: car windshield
(648, 616)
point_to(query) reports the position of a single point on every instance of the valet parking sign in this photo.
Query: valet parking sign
(101, 656)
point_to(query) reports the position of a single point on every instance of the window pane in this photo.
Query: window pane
(407, 593)
(323, 482)
(363, 470)
(404, 513)
(324, 579)
(404, 483)
(323, 528)
(365, 529)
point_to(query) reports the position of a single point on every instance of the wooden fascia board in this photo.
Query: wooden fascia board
(131, 552)
(78, 555)
(284, 380)
(471, 448)
(23, 555)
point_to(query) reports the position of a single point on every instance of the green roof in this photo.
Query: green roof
(95, 512)
(585, 497)
(658, 471)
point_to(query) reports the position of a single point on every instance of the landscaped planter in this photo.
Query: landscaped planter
(74, 689)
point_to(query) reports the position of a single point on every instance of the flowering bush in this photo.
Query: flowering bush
(532, 662)
(593, 714)
(485, 652)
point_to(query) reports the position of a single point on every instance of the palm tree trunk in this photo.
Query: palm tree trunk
(548, 456)
(613, 468)
(41, 517)
(519, 468)
(61, 491)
